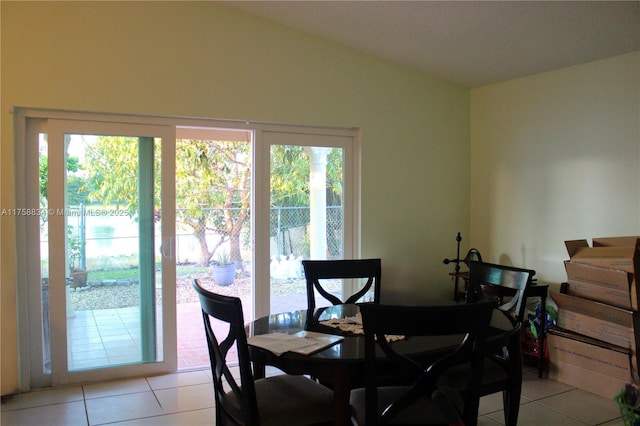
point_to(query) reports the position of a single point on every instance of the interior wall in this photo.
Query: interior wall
(555, 157)
(202, 59)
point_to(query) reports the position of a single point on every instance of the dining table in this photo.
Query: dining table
(341, 365)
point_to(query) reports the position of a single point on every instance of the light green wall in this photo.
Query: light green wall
(201, 59)
(555, 157)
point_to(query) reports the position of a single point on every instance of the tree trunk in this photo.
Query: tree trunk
(200, 232)
(234, 245)
(234, 229)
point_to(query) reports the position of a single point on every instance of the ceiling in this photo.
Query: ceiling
(471, 43)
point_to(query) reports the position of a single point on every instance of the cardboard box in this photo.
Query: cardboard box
(588, 380)
(612, 286)
(615, 241)
(589, 364)
(621, 258)
(592, 354)
(597, 320)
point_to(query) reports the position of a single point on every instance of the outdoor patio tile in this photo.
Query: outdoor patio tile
(129, 351)
(80, 316)
(118, 342)
(77, 356)
(86, 322)
(193, 344)
(123, 334)
(136, 331)
(193, 359)
(111, 325)
(102, 314)
(84, 341)
(82, 333)
(81, 345)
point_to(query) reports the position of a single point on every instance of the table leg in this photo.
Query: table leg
(341, 395)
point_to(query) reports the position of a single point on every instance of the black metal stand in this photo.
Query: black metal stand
(456, 275)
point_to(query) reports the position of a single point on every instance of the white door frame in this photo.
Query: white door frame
(29, 280)
(28, 121)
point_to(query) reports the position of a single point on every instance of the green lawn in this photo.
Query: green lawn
(132, 273)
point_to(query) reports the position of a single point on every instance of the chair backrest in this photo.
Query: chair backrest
(514, 280)
(470, 322)
(239, 406)
(317, 270)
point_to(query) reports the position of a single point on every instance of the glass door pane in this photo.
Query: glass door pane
(307, 218)
(112, 314)
(213, 228)
(107, 229)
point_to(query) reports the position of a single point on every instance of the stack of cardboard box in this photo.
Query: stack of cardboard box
(595, 344)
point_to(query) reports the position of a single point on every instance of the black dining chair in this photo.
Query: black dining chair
(503, 363)
(508, 284)
(316, 271)
(278, 400)
(420, 401)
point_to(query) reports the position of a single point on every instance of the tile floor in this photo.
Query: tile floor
(104, 337)
(186, 399)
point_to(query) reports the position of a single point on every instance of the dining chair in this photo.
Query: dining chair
(420, 401)
(316, 271)
(278, 400)
(503, 362)
(493, 280)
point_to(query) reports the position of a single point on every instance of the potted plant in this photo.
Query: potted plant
(223, 269)
(79, 275)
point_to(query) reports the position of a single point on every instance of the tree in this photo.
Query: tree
(112, 164)
(290, 176)
(212, 185)
(75, 184)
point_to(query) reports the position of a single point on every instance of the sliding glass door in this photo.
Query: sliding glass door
(106, 282)
(115, 202)
(312, 209)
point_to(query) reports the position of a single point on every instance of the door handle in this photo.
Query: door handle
(166, 249)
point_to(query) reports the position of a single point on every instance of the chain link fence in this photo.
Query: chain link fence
(102, 240)
(288, 232)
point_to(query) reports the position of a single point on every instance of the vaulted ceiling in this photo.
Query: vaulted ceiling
(471, 43)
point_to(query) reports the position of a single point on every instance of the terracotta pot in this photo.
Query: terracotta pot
(79, 278)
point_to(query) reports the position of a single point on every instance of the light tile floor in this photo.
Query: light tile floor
(186, 399)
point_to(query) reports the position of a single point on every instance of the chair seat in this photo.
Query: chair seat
(292, 400)
(424, 411)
